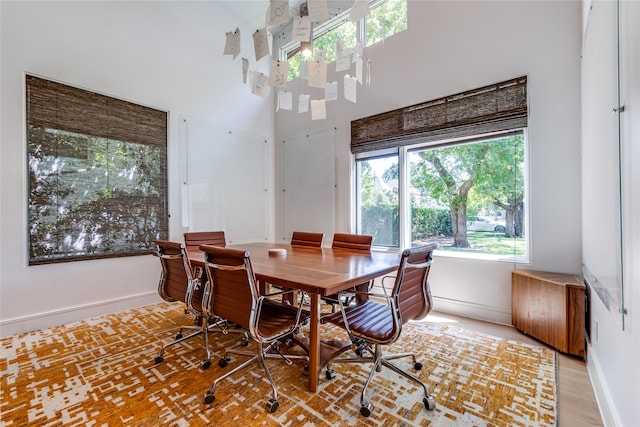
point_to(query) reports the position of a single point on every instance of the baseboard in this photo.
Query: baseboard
(77, 313)
(472, 310)
(609, 415)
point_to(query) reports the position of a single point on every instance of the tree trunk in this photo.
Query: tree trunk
(459, 225)
(509, 223)
(513, 216)
(518, 222)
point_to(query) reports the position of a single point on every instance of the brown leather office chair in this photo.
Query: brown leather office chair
(372, 324)
(358, 242)
(232, 293)
(177, 283)
(304, 238)
(193, 240)
(352, 242)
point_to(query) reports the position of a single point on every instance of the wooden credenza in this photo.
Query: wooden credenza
(550, 307)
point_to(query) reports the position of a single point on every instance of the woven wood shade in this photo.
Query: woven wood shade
(493, 108)
(58, 106)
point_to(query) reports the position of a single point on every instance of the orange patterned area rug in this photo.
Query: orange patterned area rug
(101, 372)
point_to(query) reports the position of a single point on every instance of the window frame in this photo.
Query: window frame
(59, 116)
(292, 48)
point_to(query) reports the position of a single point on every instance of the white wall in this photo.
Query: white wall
(167, 55)
(613, 352)
(453, 46)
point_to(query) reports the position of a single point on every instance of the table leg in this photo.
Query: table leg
(264, 287)
(314, 342)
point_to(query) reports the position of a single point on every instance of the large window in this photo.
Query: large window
(97, 174)
(416, 184)
(386, 18)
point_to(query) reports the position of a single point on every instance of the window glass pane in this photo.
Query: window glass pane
(97, 174)
(470, 197)
(327, 41)
(378, 213)
(386, 20)
(92, 196)
(346, 31)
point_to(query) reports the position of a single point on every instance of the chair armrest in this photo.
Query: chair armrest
(384, 288)
(370, 294)
(345, 318)
(279, 293)
(298, 307)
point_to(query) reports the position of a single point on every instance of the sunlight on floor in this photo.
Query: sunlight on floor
(435, 319)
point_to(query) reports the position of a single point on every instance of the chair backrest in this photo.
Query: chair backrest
(303, 238)
(176, 271)
(411, 290)
(194, 239)
(359, 242)
(232, 290)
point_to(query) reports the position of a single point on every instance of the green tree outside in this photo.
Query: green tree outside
(475, 176)
(383, 21)
(446, 185)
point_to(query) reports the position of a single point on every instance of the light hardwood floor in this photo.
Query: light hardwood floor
(577, 406)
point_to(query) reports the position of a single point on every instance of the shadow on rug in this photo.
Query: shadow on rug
(101, 372)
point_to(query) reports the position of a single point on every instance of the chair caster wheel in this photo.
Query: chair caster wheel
(178, 336)
(330, 374)
(205, 364)
(244, 342)
(158, 359)
(365, 410)
(429, 403)
(305, 370)
(272, 406)
(223, 362)
(417, 366)
(209, 398)
(358, 352)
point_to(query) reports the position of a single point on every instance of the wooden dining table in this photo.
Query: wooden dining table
(318, 272)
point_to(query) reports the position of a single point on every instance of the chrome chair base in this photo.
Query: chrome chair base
(261, 354)
(378, 361)
(207, 326)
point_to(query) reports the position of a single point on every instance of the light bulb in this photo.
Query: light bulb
(306, 49)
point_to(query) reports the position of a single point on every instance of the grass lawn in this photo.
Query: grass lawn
(484, 242)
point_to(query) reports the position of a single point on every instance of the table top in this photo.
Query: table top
(322, 271)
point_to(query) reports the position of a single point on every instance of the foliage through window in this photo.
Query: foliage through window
(378, 202)
(97, 174)
(465, 197)
(385, 19)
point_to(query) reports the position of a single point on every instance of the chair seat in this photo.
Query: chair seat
(369, 318)
(276, 316)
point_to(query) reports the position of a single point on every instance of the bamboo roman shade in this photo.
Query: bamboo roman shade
(58, 106)
(494, 108)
